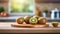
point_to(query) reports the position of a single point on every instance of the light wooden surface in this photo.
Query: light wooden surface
(5, 27)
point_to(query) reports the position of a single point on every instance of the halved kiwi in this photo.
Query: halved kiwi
(55, 24)
(20, 20)
(33, 20)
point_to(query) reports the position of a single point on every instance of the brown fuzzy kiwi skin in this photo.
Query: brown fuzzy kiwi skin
(18, 20)
(26, 19)
(36, 16)
(40, 21)
(55, 24)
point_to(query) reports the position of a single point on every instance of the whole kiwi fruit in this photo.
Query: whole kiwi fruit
(42, 20)
(36, 16)
(26, 19)
(20, 20)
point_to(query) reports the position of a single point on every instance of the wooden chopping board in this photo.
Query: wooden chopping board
(29, 25)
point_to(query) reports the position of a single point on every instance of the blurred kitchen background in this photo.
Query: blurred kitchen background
(49, 9)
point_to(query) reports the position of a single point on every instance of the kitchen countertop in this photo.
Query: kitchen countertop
(5, 27)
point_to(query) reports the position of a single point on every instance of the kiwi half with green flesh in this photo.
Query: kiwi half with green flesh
(20, 20)
(33, 20)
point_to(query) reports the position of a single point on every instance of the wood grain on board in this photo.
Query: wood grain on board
(29, 25)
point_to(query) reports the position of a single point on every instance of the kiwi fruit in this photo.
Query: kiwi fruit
(20, 20)
(42, 20)
(33, 20)
(26, 19)
(55, 24)
(36, 16)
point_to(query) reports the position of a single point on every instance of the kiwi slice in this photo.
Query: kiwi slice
(33, 20)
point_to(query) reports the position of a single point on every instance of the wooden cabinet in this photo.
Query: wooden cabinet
(2, 1)
(48, 1)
